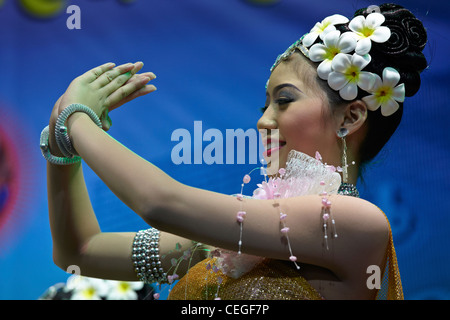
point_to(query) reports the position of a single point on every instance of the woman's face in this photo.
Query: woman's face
(297, 115)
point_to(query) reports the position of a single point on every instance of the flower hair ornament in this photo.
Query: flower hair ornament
(342, 57)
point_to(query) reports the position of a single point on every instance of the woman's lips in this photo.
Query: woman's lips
(269, 149)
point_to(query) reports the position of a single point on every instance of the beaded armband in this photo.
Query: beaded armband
(145, 257)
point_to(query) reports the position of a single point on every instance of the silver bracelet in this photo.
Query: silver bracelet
(47, 154)
(145, 257)
(61, 134)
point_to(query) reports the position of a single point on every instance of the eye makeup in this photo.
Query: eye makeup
(284, 93)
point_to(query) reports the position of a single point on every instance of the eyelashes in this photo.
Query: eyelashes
(284, 97)
(280, 102)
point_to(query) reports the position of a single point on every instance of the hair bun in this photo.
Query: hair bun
(415, 33)
(405, 28)
(403, 50)
(398, 42)
(407, 32)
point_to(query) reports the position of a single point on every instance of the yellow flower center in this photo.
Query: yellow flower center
(366, 31)
(383, 94)
(352, 74)
(331, 53)
(123, 287)
(89, 292)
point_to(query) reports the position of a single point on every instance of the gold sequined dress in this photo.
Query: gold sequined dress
(229, 276)
(268, 280)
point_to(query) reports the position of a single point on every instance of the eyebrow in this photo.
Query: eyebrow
(284, 85)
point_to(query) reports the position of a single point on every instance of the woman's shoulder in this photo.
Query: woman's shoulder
(361, 210)
(364, 221)
(363, 231)
(361, 225)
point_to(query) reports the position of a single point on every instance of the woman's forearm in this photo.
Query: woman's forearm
(139, 184)
(72, 219)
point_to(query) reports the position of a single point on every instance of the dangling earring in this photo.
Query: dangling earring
(342, 133)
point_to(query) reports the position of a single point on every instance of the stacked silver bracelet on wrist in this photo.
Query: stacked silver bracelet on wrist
(62, 136)
(145, 257)
(50, 157)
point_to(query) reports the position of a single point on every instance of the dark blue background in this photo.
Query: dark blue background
(212, 59)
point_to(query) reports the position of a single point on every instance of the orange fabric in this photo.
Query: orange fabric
(391, 284)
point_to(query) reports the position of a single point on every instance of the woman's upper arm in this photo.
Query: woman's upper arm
(210, 218)
(107, 255)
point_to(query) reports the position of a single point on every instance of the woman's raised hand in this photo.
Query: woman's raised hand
(106, 88)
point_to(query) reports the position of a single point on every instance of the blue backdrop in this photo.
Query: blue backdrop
(212, 59)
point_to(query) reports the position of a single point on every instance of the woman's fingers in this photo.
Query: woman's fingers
(113, 85)
(136, 87)
(118, 75)
(141, 92)
(94, 74)
(130, 75)
(137, 67)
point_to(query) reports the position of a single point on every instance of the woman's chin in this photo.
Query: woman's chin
(274, 161)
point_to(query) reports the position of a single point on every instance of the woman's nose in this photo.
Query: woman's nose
(268, 120)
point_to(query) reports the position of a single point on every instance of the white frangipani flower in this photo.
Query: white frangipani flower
(123, 290)
(347, 76)
(333, 43)
(85, 288)
(369, 29)
(385, 93)
(322, 28)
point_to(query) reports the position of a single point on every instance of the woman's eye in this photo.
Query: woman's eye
(282, 101)
(284, 97)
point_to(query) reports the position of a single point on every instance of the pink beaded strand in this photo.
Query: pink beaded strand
(240, 216)
(284, 229)
(326, 216)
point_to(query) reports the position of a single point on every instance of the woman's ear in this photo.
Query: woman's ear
(354, 116)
